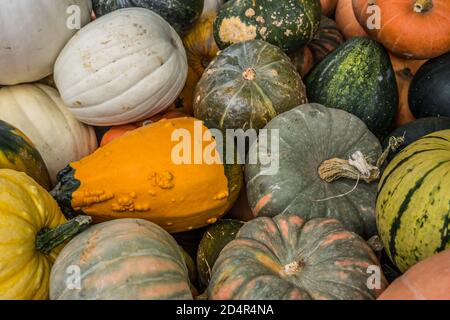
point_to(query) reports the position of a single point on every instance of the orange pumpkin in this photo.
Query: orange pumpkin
(413, 29)
(404, 73)
(328, 7)
(201, 48)
(427, 280)
(346, 20)
(118, 131)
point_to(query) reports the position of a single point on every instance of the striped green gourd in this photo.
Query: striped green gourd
(413, 205)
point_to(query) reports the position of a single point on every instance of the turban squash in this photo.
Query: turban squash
(413, 203)
(289, 258)
(145, 174)
(32, 232)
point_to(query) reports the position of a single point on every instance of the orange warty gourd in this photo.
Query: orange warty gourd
(427, 280)
(137, 176)
(346, 20)
(404, 73)
(118, 131)
(413, 29)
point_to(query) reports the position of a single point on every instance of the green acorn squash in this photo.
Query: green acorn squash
(247, 85)
(180, 14)
(311, 139)
(413, 204)
(17, 152)
(357, 77)
(429, 93)
(212, 243)
(288, 24)
(289, 258)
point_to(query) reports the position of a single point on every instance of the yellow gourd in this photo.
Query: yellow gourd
(137, 176)
(32, 229)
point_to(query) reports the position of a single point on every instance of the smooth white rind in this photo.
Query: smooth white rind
(124, 67)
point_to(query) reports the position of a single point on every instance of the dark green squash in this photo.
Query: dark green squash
(310, 137)
(288, 24)
(246, 86)
(212, 243)
(357, 77)
(415, 130)
(289, 258)
(18, 153)
(181, 14)
(429, 93)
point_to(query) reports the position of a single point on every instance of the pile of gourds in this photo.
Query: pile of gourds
(93, 205)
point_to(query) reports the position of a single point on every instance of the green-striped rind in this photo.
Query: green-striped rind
(18, 153)
(288, 24)
(180, 14)
(413, 205)
(357, 77)
(226, 100)
(334, 262)
(212, 243)
(125, 259)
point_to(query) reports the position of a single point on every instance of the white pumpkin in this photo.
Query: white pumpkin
(32, 33)
(212, 5)
(38, 111)
(124, 67)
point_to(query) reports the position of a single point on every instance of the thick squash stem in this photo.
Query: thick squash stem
(48, 239)
(357, 166)
(422, 6)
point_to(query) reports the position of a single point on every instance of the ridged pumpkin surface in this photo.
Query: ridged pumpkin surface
(310, 135)
(25, 210)
(413, 205)
(137, 176)
(125, 259)
(287, 258)
(18, 153)
(247, 85)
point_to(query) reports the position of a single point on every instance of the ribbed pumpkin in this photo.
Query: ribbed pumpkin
(37, 110)
(357, 77)
(33, 33)
(288, 24)
(415, 130)
(346, 20)
(181, 14)
(429, 93)
(312, 138)
(413, 204)
(405, 70)
(18, 153)
(427, 280)
(413, 29)
(212, 243)
(32, 230)
(288, 258)
(124, 67)
(145, 174)
(247, 85)
(326, 40)
(126, 259)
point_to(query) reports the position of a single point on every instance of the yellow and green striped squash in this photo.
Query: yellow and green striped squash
(413, 205)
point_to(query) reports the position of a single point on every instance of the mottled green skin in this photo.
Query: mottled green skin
(181, 14)
(309, 135)
(212, 243)
(227, 100)
(125, 259)
(21, 155)
(288, 24)
(328, 262)
(357, 77)
(429, 94)
(415, 130)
